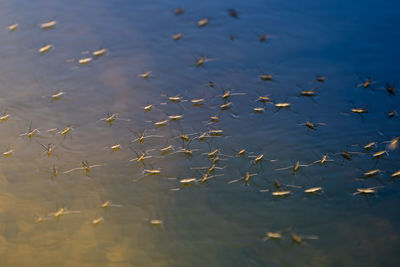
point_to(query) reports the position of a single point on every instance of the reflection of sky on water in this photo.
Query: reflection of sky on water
(214, 222)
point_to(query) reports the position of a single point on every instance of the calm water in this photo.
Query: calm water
(215, 223)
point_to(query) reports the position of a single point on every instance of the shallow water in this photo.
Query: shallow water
(212, 223)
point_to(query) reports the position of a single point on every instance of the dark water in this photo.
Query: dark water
(215, 223)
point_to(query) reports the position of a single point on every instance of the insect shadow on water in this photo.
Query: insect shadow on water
(259, 159)
(371, 174)
(200, 61)
(203, 22)
(113, 148)
(215, 154)
(179, 11)
(367, 147)
(208, 171)
(281, 190)
(323, 161)
(140, 157)
(84, 166)
(177, 36)
(207, 175)
(65, 132)
(295, 167)
(45, 49)
(379, 155)
(8, 153)
(264, 99)
(356, 110)
(388, 87)
(12, 27)
(348, 155)
(316, 190)
(56, 96)
(48, 150)
(176, 119)
(177, 100)
(5, 116)
(226, 95)
(54, 171)
(148, 172)
(308, 93)
(31, 132)
(277, 235)
(265, 37)
(213, 119)
(268, 76)
(48, 25)
(280, 234)
(395, 175)
(145, 75)
(56, 215)
(245, 178)
(258, 109)
(185, 151)
(142, 136)
(367, 192)
(197, 102)
(312, 125)
(233, 13)
(226, 106)
(107, 204)
(168, 149)
(366, 82)
(320, 78)
(185, 138)
(393, 113)
(110, 119)
(148, 107)
(99, 52)
(284, 105)
(393, 144)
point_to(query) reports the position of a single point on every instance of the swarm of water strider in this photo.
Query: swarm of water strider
(254, 162)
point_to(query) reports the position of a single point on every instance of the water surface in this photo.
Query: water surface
(212, 223)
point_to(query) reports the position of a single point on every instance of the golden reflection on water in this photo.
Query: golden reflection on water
(29, 192)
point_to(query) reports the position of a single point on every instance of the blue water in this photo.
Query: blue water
(215, 223)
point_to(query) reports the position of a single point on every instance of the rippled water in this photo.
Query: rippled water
(215, 223)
